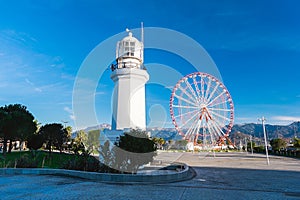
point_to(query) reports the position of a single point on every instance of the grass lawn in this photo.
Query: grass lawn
(43, 159)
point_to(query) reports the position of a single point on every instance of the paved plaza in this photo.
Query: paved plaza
(219, 176)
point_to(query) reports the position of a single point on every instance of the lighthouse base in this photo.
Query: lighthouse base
(111, 135)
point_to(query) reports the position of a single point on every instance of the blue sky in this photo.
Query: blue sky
(255, 45)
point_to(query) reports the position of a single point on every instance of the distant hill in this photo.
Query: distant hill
(97, 127)
(165, 133)
(93, 128)
(238, 131)
(273, 131)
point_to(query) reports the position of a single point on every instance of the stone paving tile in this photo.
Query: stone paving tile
(227, 176)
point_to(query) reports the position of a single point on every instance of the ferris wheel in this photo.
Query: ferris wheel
(202, 109)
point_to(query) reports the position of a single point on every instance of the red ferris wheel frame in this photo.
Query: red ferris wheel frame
(200, 104)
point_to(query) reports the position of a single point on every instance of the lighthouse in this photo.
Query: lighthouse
(129, 76)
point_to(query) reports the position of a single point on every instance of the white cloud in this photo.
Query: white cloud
(72, 117)
(67, 109)
(21, 61)
(18, 38)
(36, 89)
(286, 118)
(70, 111)
(29, 82)
(67, 77)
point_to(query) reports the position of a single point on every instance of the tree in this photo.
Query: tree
(199, 141)
(278, 144)
(16, 123)
(249, 145)
(35, 142)
(53, 135)
(68, 130)
(181, 144)
(93, 139)
(159, 142)
(79, 142)
(296, 142)
(132, 150)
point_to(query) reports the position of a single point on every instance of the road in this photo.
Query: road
(223, 176)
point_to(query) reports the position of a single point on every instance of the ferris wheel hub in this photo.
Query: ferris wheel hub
(202, 105)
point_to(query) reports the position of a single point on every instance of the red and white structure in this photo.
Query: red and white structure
(202, 109)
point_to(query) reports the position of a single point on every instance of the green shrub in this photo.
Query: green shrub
(26, 162)
(259, 149)
(83, 163)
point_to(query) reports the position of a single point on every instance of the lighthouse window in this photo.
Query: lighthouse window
(126, 46)
(129, 48)
(132, 48)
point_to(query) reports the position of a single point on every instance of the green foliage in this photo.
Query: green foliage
(159, 142)
(78, 144)
(35, 142)
(132, 150)
(26, 161)
(296, 142)
(42, 158)
(81, 136)
(278, 144)
(68, 130)
(259, 149)
(54, 135)
(93, 142)
(249, 145)
(136, 141)
(180, 144)
(16, 123)
(83, 162)
(199, 141)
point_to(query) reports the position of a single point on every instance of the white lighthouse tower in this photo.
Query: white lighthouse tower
(129, 76)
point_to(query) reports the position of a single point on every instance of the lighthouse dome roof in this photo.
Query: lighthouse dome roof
(130, 38)
(130, 46)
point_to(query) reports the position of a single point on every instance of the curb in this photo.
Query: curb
(186, 174)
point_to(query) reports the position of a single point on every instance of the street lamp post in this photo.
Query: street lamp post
(246, 146)
(265, 137)
(65, 123)
(251, 144)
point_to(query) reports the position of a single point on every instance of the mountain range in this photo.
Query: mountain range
(273, 131)
(238, 131)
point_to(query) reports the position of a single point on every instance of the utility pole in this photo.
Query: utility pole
(263, 120)
(251, 144)
(65, 123)
(246, 146)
